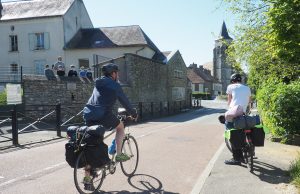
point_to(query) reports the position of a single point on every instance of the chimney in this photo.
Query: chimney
(1, 8)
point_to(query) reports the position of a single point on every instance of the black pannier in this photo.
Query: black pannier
(91, 135)
(71, 154)
(237, 138)
(97, 155)
(258, 136)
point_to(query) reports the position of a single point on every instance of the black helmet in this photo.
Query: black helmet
(236, 77)
(108, 68)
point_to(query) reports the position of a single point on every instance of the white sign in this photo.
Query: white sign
(14, 93)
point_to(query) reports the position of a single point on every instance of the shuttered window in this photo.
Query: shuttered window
(39, 41)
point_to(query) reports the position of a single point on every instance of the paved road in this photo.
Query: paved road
(174, 152)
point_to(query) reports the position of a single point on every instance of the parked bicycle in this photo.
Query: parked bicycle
(129, 167)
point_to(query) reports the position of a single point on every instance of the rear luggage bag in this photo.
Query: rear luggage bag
(97, 155)
(237, 138)
(258, 137)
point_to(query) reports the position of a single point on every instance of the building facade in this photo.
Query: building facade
(34, 33)
(222, 70)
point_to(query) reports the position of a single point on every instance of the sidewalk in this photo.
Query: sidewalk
(269, 176)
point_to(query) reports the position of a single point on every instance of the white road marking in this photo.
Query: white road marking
(201, 180)
(32, 174)
(1, 177)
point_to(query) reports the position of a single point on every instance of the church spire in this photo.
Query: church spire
(224, 33)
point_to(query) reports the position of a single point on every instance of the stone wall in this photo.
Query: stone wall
(143, 80)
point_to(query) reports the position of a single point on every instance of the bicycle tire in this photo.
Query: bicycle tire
(130, 147)
(228, 145)
(79, 173)
(251, 154)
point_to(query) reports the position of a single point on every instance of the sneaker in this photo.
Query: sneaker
(122, 157)
(232, 162)
(88, 184)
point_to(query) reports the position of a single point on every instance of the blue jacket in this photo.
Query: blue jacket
(105, 94)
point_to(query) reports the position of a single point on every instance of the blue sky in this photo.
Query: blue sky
(190, 26)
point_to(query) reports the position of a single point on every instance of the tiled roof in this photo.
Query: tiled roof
(194, 77)
(34, 8)
(119, 36)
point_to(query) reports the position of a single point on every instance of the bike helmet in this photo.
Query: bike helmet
(107, 69)
(236, 77)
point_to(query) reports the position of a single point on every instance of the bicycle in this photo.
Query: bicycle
(247, 147)
(129, 167)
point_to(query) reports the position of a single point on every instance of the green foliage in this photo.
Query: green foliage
(279, 105)
(266, 39)
(295, 172)
(2, 98)
(201, 95)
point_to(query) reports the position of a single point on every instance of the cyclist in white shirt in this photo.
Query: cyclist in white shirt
(237, 94)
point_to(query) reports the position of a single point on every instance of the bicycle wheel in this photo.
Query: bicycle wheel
(250, 153)
(228, 145)
(81, 170)
(130, 148)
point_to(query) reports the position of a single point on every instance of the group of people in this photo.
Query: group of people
(59, 69)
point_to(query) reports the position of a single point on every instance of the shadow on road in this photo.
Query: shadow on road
(190, 115)
(270, 173)
(144, 183)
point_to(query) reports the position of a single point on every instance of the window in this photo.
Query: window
(13, 68)
(84, 63)
(178, 73)
(196, 87)
(39, 41)
(13, 42)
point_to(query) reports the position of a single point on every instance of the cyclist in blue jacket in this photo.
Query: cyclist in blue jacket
(98, 109)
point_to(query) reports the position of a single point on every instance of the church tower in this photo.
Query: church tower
(221, 69)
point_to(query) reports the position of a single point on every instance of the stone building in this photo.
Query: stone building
(221, 69)
(209, 84)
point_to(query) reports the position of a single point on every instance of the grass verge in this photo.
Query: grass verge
(295, 172)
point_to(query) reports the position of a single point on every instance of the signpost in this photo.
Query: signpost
(14, 93)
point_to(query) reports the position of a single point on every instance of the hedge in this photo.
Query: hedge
(279, 105)
(200, 95)
(2, 98)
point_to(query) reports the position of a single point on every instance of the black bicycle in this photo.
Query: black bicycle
(129, 167)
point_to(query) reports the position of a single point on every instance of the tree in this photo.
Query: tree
(267, 39)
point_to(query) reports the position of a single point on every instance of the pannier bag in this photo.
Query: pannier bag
(237, 138)
(97, 155)
(258, 136)
(71, 154)
(245, 122)
(71, 132)
(91, 135)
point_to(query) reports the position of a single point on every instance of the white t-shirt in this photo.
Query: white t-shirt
(240, 95)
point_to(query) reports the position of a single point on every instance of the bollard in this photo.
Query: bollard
(58, 120)
(140, 110)
(152, 111)
(14, 124)
(160, 108)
